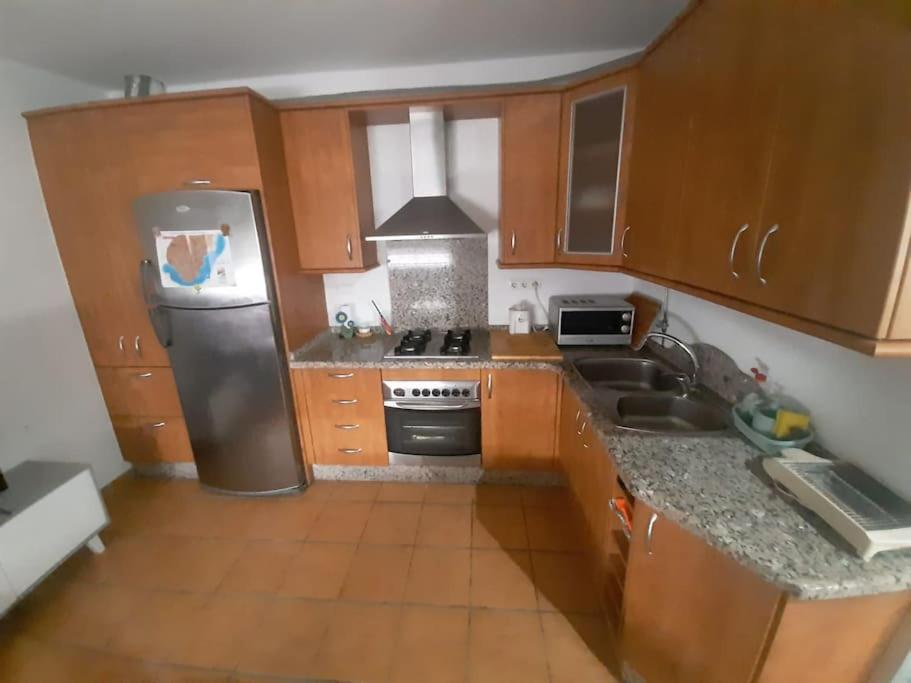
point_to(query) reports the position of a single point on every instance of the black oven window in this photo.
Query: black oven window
(591, 322)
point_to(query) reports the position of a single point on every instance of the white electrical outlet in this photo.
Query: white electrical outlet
(524, 284)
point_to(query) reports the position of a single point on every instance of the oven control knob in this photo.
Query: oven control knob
(436, 392)
(466, 392)
(445, 392)
(626, 316)
(398, 392)
(624, 329)
(415, 392)
(425, 392)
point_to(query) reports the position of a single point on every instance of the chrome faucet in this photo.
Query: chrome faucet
(694, 376)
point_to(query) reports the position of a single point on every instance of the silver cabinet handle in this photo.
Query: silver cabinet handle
(157, 425)
(761, 253)
(623, 527)
(649, 531)
(512, 243)
(489, 385)
(348, 247)
(120, 343)
(559, 239)
(136, 346)
(347, 427)
(142, 375)
(581, 428)
(350, 451)
(345, 401)
(743, 229)
(341, 375)
(585, 445)
(578, 415)
(198, 181)
(623, 251)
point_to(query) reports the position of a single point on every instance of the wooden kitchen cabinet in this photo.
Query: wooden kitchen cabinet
(345, 416)
(518, 418)
(329, 176)
(152, 439)
(690, 612)
(529, 167)
(139, 391)
(596, 140)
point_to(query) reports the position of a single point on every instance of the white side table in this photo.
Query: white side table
(49, 511)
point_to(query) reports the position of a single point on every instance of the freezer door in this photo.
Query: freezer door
(235, 392)
(202, 249)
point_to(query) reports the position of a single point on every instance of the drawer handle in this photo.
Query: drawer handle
(649, 532)
(345, 401)
(198, 181)
(143, 375)
(157, 425)
(581, 428)
(347, 427)
(341, 375)
(136, 346)
(350, 451)
(120, 343)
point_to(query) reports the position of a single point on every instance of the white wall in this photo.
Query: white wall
(50, 403)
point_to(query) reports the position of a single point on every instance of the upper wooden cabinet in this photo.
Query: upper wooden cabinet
(518, 418)
(595, 142)
(529, 152)
(329, 178)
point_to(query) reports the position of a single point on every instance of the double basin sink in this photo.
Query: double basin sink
(643, 395)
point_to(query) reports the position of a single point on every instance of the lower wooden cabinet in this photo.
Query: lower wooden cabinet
(139, 391)
(150, 439)
(518, 418)
(344, 415)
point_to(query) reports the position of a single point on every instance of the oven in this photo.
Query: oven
(433, 422)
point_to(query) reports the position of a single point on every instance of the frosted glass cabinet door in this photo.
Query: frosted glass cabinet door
(596, 136)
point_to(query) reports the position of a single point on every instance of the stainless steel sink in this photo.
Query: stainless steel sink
(627, 374)
(671, 414)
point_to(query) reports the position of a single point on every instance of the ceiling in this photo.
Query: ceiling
(192, 41)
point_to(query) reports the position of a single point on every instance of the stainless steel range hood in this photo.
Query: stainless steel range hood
(430, 214)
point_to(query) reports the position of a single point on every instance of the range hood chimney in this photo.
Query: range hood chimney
(430, 214)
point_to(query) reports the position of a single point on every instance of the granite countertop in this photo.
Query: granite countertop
(706, 484)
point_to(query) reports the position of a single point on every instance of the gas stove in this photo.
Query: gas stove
(454, 343)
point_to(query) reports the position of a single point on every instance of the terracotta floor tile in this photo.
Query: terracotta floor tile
(392, 523)
(160, 626)
(197, 564)
(362, 491)
(286, 640)
(24, 660)
(449, 493)
(317, 571)
(211, 515)
(502, 579)
(398, 492)
(359, 643)
(439, 576)
(223, 625)
(498, 494)
(506, 647)
(564, 583)
(445, 525)
(78, 613)
(261, 567)
(319, 491)
(340, 522)
(284, 518)
(551, 528)
(498, 526)
(580, 649)
(378, 573)
(545, 496)
(432, 646)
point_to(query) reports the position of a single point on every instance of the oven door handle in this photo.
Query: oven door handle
(417, 405)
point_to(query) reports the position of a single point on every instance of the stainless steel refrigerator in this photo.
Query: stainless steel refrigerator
(207, 282)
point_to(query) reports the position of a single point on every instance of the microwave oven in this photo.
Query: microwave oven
(590, 319)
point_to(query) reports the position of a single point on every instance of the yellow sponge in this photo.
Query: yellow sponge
(787, 421)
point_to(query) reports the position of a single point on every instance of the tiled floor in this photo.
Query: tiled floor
(347, 582)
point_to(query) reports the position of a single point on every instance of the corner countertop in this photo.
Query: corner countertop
(706, 484)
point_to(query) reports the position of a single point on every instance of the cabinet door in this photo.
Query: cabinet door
(568, 443)
(732, 84)
(139, 391)
(329, 178)
(152, 439)
(518, 418)
(597, 135)
(88, 182)
(834, 219)
(659, 156)
(530, 153)
(690, 613)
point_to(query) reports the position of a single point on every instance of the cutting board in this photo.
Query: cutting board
(535, 346)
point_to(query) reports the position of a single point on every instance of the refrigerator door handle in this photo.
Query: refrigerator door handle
(157, 315)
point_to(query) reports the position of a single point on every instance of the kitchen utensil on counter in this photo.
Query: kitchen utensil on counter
(519, 319)
(533, 346)
(387, 328)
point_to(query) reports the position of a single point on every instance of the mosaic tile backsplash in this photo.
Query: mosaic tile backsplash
(438, 283)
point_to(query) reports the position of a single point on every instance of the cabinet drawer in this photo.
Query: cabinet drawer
(350, 443)
(139, 391)
(344, 384)
(153, 439)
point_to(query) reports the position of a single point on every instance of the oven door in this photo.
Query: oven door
(434, 433)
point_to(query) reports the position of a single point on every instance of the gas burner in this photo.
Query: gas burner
(456, 343)
(418, 335)
(458, 334)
